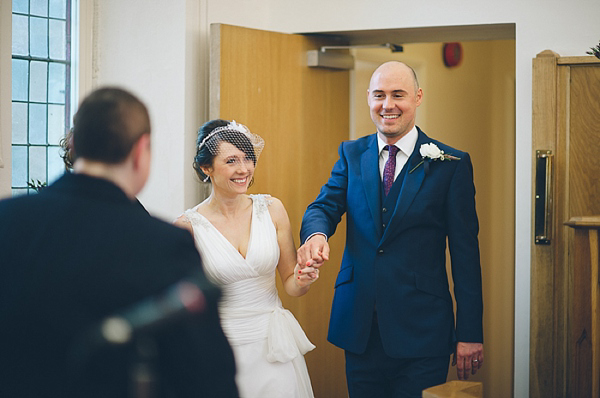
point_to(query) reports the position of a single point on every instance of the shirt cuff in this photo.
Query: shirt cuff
(316, 233)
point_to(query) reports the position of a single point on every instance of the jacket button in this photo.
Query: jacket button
(380, 251)
(383, 225)
(383, 210)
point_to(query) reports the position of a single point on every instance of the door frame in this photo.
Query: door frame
(410, 35)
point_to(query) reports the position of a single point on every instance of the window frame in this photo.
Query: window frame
(40, 146)
(83, 17)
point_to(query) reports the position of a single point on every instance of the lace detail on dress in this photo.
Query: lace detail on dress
(262, 202)
(196, 218)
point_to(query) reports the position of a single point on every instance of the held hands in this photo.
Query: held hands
(310, 256)
(468, 358)
(305, 276)
(314, 252)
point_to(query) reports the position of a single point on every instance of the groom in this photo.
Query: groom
(392, 311)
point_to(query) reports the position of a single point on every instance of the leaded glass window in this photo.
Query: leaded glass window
(41, 90)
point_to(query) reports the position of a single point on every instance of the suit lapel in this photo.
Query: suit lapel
(369, 168)
(411, 185)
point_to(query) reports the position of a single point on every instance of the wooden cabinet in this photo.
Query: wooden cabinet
(584, 337)
(566, 125)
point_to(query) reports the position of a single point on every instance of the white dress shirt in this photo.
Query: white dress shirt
(406, 145)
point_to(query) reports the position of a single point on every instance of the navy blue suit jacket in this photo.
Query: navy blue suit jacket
(400, 271)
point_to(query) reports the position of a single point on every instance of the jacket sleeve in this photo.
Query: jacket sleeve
(324, 214)
(463, 228)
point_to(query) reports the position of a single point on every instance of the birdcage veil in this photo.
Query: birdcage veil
(236, 134)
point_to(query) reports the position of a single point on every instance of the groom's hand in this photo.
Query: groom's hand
(314, 252)
(468, 359)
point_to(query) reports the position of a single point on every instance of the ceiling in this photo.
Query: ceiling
(421, 35)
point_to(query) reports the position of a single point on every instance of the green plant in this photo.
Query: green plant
(595, 51)
(37, 185)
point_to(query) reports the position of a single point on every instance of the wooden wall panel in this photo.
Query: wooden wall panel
(584, 149)
(585, 313)
(583, 137)
(566, 120)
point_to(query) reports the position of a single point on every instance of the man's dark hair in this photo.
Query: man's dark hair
(107, 125)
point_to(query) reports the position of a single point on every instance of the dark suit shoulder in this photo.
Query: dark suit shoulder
(18, 202)
(16, 212)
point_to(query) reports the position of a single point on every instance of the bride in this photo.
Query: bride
(242, 239)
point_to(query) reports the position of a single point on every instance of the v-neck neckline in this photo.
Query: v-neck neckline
(245, 258)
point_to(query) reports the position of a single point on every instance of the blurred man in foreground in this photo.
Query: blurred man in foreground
(80, 251)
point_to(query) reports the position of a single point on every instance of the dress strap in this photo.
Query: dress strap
(261, 202)
(195, 218)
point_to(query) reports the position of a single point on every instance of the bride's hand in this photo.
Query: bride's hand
(305, 276)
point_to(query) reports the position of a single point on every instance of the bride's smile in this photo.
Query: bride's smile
(232, 169)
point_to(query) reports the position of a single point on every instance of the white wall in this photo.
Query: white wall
(152, 48)
(5, 97)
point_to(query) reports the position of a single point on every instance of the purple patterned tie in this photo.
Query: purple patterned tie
(389, 169)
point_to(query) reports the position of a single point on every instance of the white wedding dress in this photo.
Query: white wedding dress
(267, 341)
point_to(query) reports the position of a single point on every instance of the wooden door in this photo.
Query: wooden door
(261, 79)
(566, 122)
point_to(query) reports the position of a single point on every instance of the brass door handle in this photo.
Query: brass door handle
(543, 197)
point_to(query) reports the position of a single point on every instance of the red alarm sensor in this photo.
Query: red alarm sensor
(452, 54)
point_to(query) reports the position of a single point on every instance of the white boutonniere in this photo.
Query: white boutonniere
(431, 152)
